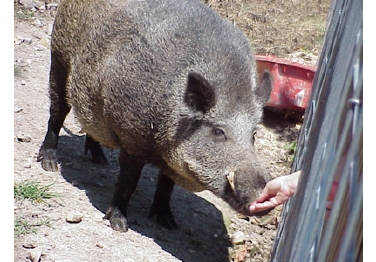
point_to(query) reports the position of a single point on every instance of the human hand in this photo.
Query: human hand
(276, 192)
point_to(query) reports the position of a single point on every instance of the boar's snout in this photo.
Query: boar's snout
(243, 188)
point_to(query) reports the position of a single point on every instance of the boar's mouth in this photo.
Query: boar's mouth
(232, 198)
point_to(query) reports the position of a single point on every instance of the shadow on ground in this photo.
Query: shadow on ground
(202, 235)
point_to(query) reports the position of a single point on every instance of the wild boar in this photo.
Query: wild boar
(168, 82)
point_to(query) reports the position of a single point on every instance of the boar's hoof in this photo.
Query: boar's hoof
(48, 159)
(165, 218)
(117, 219)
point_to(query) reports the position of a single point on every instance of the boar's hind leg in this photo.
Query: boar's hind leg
(97, 155)
(59, 108)
(130, 171)
(161, 204)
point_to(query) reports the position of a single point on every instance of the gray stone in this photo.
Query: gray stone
(74, 217)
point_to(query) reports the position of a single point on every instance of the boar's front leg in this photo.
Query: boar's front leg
(59, 108)
(161, 204)
(130, 171)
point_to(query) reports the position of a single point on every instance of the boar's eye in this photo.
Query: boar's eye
(219, 133)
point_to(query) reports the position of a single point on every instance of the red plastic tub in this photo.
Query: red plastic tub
(292, 82)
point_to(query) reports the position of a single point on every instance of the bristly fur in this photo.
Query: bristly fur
(169, 83)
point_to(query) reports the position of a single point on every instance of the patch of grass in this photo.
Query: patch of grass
(292, 147)
(22, 14)
(33, 191)
(23, 227)
(292, 150)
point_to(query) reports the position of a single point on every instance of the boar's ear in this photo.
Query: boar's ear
(265, 88)
(199, 95)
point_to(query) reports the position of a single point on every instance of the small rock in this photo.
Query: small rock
(30, 243)
(52, 6)
(41, 7)
(99, 245)
(255, 242)
(28, 4)
(39, 48)
(254, 221)
(18, 109)
(28, 164)
(74, 217)
(28, 40)
(265, 221)
(241, 254)
(19, 40)
(238, 238)
(23, 82)
(34, 255)
(21, 137)
(38, 23)
(38, 3)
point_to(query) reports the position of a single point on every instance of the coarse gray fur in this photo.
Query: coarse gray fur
(169, 83)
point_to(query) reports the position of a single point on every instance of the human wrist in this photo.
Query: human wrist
(292, 182)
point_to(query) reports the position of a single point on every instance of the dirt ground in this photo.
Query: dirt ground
(209, 230)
